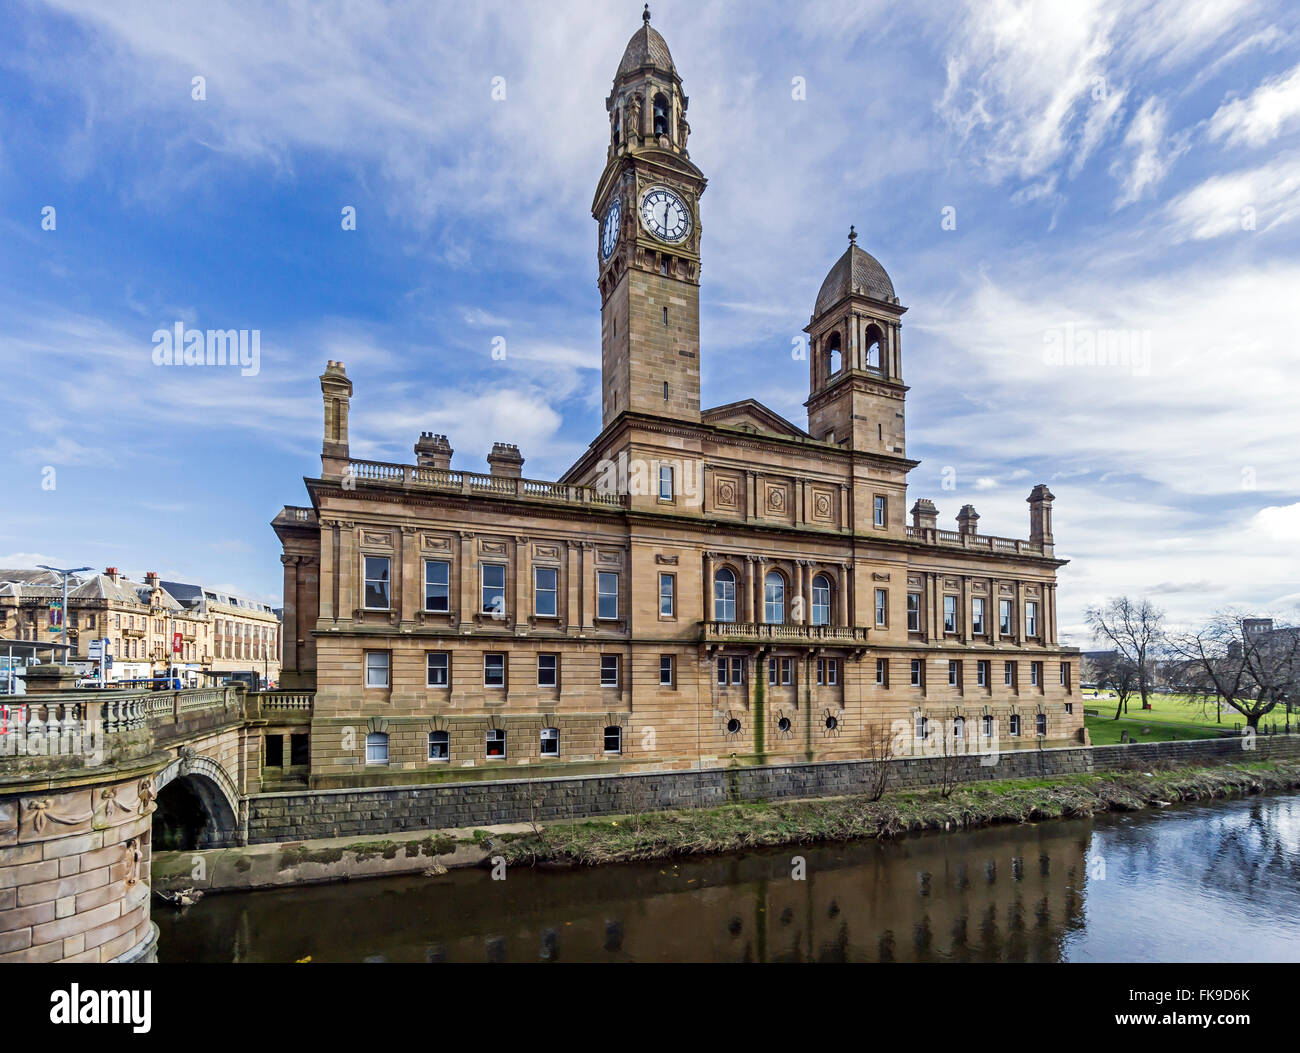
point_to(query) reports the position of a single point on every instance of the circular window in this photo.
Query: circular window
(832, 723)
(783, 724)
(733, 726)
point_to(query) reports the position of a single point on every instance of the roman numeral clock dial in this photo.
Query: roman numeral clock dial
(665, 215)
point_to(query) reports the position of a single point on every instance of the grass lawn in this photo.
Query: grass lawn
(1105, 732)
(1176, 709)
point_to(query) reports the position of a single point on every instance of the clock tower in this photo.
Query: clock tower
(648, 240)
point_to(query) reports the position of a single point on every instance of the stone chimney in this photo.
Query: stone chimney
(336, 392)
(1040, 517)
(924, 515)
(151, 579)
(505, 461)
(433, 451)
(112, 574)
(968, 521)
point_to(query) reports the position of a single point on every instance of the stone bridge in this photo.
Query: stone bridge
(90, 781)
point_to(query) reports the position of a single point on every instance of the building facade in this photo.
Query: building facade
(704, 586)
(219, 634)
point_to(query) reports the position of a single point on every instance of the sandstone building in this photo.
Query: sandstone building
(704, 586)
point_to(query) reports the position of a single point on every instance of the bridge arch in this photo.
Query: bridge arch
(198, 804)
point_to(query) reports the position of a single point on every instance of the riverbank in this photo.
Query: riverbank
(735, 827)
(661, 835)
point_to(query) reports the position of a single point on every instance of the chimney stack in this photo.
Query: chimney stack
(1040, 517)
(505, 461)
(433, 451)
(112, 574)
(151, 579)
(968, 521)
(924, 515)
(336, 392)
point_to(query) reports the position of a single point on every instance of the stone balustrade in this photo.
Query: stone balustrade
(420, 477)
(762, 631)
(974, 542)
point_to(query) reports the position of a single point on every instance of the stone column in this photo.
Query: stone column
(965, 609)
(760, 572)
(804, 570)
(573, 586)
(709, 613)
(846, 577)
(589, 583)
(348, 598)
(523, 599)
(289, 622)
(1020, 614)
(747, 587)
(466, 600)
(994, 612)
(410, 590)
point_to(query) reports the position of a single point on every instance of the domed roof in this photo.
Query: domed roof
(646, 48)
(858, 272)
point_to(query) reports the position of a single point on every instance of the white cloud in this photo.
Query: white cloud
(1150, 159)
(1258, 119)
(1245, 202)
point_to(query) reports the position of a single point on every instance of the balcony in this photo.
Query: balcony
(413, 477)
(973, 542)
(762, 632)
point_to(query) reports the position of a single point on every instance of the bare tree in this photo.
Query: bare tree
(1135, 628)
(950, 765)
(1251, 671)
(880, 752)
(1118, 674)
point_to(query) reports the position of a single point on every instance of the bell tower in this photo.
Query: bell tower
(648, 240)
(856, 389)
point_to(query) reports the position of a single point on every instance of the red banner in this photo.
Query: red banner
(176, 643)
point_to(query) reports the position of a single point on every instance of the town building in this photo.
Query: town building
(704, 586)
(141, 621)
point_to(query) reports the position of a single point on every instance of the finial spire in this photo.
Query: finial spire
(853, 235)
(645, 15)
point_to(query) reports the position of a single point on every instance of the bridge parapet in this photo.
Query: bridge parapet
(279, 706)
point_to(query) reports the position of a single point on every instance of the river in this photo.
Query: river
(1203, 882)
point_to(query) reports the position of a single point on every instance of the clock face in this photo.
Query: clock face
(665, 215)
(609, 228)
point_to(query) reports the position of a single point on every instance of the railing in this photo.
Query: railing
(445, 479)
(293, 700)
(798, 633)
(86, 723)
(985, 542)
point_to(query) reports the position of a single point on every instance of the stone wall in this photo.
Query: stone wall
(348, 813)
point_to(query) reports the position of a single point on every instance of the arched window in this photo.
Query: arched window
(821, 600)
(724, 596)
(959, 730)
(613, 739)
(618, 125)
(377, 748)
(661, 115)
(774, 598)
(834, 354)
(872, 343)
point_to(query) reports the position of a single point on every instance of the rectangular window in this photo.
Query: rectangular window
(878, 510)
(550, 742)
(977, 616)
(832, 671)
(771, 671)
(737, 671)
(917, 672)
(607, 595)
(438, 672)
(613, 739)
(913, 612)
(545, 590)
(787, 671)
(982, 674)
(439, 746)
(496, 742)
(1014, 723)
(882, 606)
(376, 669)
(376, 594)
(1040, 724)
(882, 672)
(667, 595)
(922, 727)
(494, 589)
(1031, 618)
(722, 672)
(1009, 674)
(494, 670)
(300, 750)
(1035, 674)
(666, 678)
(609, 670)
(275, 751)
(1004, 617)
(954, 674)
(950, 614)
(821, 671)
(665, 482)
(437, 590)
(548, 670)
(377, 748)
(1065, 675)
(1069, 708)
(987, 721)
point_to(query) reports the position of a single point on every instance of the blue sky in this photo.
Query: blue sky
(1131, 168)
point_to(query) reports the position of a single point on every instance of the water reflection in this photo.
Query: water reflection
(1213, 882)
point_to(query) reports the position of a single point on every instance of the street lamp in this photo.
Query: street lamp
(63, 614)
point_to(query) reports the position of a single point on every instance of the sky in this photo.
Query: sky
(1039, 180)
